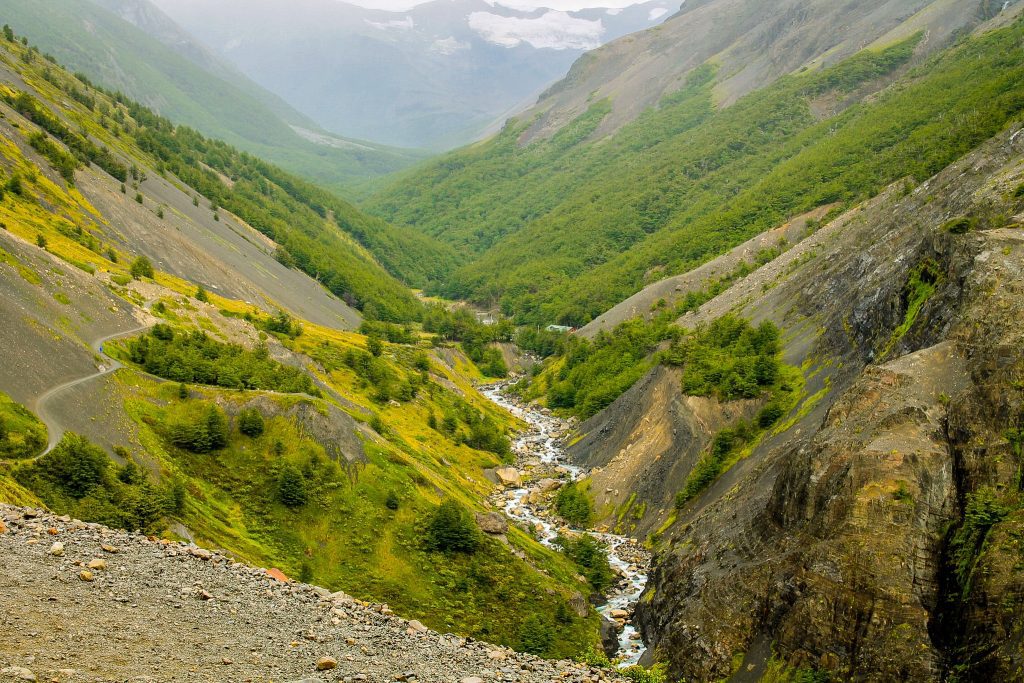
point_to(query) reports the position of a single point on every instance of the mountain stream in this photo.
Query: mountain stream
(539, 448)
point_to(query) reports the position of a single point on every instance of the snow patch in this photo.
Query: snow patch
(449, 45)
(403, 24)
(656, 13)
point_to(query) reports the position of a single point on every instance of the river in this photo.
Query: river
(539, 448)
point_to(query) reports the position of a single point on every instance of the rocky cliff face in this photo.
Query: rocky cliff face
(879, 536)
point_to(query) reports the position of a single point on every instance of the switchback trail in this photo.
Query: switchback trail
(54, 425)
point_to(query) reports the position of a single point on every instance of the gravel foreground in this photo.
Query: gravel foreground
(81, 602)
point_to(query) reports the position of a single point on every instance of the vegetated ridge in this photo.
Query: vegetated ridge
(858, 515)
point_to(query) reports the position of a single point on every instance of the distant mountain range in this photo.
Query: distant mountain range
(438, 75)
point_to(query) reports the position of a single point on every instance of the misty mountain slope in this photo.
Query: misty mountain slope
(562, 229)
(129, 45)
(752, 43)
(166, 174)
(437, 75)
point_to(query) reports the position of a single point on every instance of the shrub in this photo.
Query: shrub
(196, 358)
(535, 635)
(492, 363)
(728, 358)
(984, 510)
(75, 465)
(958, 226)
(374, 346)
(769, 415)
(199, 431)
(391, 502)
(485, 435)
(250, 422)
(573, 504)
(281, 323)
(591, 558)
(450, 528)
(638, 674)
(141, 267)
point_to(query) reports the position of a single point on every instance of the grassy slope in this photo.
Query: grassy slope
(560, 230)
(120, 56)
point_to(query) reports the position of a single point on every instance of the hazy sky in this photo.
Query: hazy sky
(561, 5)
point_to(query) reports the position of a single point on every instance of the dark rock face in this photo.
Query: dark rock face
(851, 542)
(609, 637)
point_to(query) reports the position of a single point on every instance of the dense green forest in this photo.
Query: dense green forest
(194, 357)
(561, 229)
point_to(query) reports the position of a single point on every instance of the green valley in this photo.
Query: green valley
(559, 230)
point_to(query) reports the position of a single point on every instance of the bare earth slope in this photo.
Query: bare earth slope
(158, 611)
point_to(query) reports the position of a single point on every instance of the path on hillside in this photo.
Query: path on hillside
(54, 425)
(540, 447)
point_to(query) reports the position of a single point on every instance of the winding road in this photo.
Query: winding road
(54, 427)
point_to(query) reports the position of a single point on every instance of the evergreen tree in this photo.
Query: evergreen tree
(250, 422)
(216, 427)
(291, 487)
(75, 464)
(451, 529)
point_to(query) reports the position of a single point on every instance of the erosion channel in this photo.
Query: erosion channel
(539, 453)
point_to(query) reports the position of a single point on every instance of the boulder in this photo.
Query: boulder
(326, 664)
(509, 476)
(548, 484)
(492, 522)
(278, 575)
(579, 604)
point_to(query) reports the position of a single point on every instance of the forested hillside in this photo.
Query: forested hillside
(158, 64)
(313, 229)
(561, 229)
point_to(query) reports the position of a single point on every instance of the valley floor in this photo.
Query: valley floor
(162, 611)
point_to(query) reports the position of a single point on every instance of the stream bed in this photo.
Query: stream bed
(539, 451)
